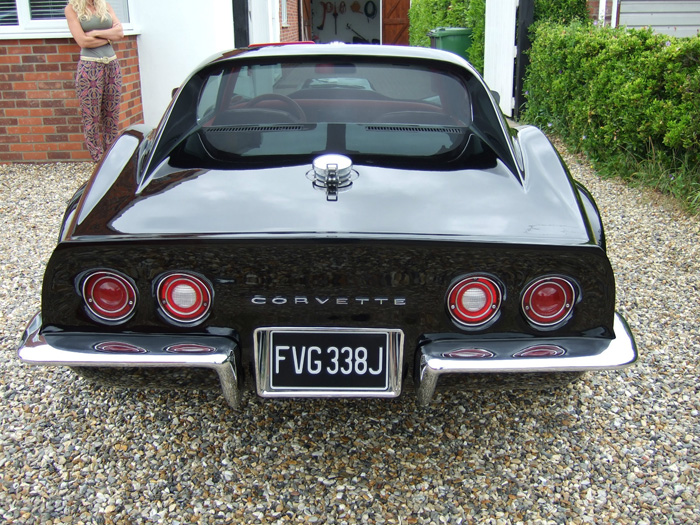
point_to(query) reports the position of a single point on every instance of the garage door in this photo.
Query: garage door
(395, 22)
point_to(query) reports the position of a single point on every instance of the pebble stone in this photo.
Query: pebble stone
(614, 447)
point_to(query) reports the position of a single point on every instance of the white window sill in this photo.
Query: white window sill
(12, 33)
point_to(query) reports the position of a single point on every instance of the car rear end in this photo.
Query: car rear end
(332, 221)
(347, 317)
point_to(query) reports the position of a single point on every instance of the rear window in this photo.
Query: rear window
(305, 108)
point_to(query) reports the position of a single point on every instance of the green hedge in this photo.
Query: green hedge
(425, 15)
(475, 19)
(629, 99)
(561, 11)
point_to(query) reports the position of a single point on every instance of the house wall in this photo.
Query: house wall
(167, 39)
(605, 12)
(290, 31)
(171, 46)
(174, 37)
(348, 26)
(39, 117)
(264, 21)
(679, 18)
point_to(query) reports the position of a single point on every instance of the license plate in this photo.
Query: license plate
(328, 362)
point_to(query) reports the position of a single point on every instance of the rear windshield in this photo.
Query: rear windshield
(376, 110)
(308, 108)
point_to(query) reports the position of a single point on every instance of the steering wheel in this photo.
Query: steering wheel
(290, 106)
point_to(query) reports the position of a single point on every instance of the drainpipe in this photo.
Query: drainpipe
(240, 23)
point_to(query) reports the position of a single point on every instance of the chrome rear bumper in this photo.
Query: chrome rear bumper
(79, 350)
(442, 357)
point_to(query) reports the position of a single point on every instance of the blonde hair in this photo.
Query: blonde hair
(81, 8)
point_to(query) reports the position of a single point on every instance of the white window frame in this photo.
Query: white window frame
(28, 28)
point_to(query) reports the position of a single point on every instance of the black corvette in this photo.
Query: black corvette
(332, 220)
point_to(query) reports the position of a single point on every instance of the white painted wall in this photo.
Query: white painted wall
(174, 37)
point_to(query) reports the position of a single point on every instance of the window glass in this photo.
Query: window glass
(47, 9)
(304, 108)
(207, 101)
(121, 9)
(8, 13)
(253, 81)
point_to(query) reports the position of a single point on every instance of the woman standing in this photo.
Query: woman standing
(94, 27)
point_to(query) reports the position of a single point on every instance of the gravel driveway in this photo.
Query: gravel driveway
(615, 447)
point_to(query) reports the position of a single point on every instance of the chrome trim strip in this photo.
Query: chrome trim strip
(35, 350)
(264, 378)
(617, 353)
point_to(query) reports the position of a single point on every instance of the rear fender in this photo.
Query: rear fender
(116, 174)
(594, 219)
(546, 172)
(70, 212)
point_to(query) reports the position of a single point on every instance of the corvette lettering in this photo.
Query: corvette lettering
(326, 300)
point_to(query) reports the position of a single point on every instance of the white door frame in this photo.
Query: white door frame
(263, 21)
(500, 51)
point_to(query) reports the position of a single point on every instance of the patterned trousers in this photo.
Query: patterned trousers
(99, 89)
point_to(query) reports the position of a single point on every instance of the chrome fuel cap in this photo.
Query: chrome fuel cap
(332, 173)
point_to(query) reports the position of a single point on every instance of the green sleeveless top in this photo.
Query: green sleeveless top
(92, 23)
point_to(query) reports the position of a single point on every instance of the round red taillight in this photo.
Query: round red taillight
(109, 297)
(474, 300)
(184, 298)
(549, 301)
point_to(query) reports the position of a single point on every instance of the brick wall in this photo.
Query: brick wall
(290, 32)
(131, 107)
(593, 6)
(39, 116)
